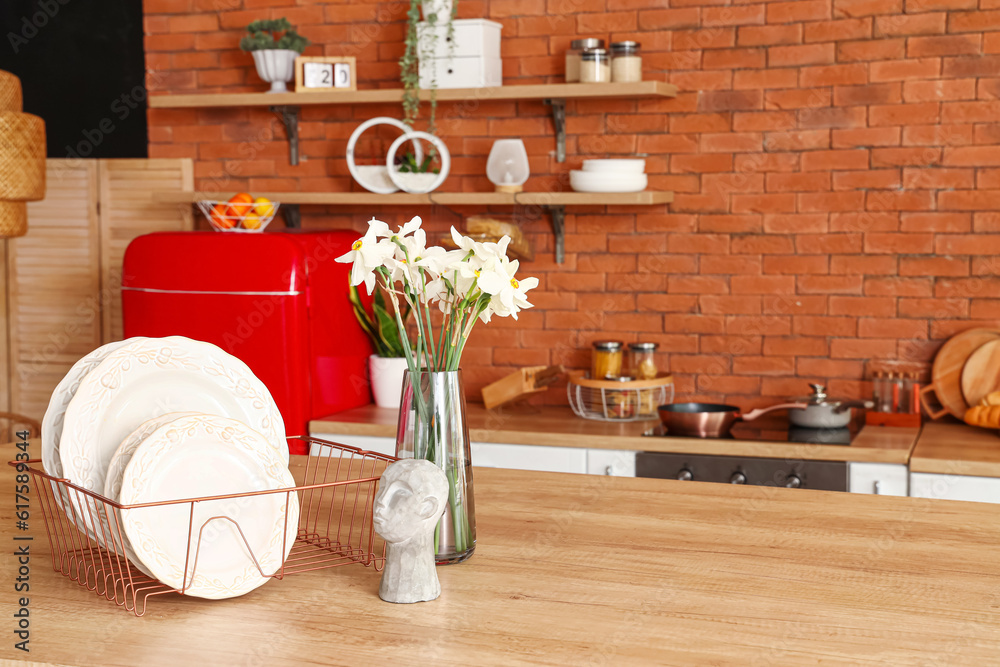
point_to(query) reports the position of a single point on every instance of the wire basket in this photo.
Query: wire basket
(336, 508)
(223, 218)
(618, 400)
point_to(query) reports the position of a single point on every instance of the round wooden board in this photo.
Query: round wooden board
(981, 374)
(949, 364)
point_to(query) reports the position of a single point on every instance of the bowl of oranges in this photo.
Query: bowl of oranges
(242, 213)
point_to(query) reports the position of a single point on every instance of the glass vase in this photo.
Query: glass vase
(432, 426)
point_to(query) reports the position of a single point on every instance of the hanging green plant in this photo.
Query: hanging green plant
(273, 34)
(409, 64)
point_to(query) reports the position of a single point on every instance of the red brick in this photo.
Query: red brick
(843, 29)
(733, 15)
(807, 54)
(834, 75)
(937, 135)
(765, 79)
(943, 45)
(733, 58)
(752, 121)
(879, 93)
(886, 200)
(864, 221)
(730, 100)
(769, 35)
(939, 91)
(938, 179)
(812, 244)
(798, 10)
(729, 265)
(902, 70)
(899, 286)
(968, 200)
(763, 365)
(704, 38)
(829, 368)
(971, 66)
(766, 162)
(934, 309)
(729, 305)
(769, 203)
(832, 117)
(757, 244)
(935, 5)
(866, 348)
(967, 244)
(769, 325)
(933, 266)
(701, 163)
(799, 140)
(863, 265)
(807, 325)
(804, 182)
(731, 142)
(971, 156)
(794, 304)
(967, 287)
(936, 222)
(795, 347)
(795, 223)
(892, 157)
(762, 284)
(870, 179)
(796, 264)
(728, 224)
(904, 114)
(882, 49)
(731, 345)
(870, 327)
(973, 21)
(833, 201)
(863, 306)
(910, 24)
(889, 136)
(830, 284)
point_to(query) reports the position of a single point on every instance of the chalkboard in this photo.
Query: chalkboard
(81, 65)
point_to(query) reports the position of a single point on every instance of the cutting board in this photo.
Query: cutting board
(946, 373)
(981, 374)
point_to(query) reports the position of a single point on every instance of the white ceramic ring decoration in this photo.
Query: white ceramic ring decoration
(399, 178)
(375, 178)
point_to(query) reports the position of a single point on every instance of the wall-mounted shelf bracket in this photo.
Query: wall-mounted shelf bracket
(290, 117)
(557, 215)
(559, 120)
(293, 216)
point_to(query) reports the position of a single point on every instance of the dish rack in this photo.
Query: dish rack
(336, 501)
(616, 400)
(234, 223)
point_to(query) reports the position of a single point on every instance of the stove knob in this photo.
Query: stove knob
(793, 482)
(738, 478)
(685, 475)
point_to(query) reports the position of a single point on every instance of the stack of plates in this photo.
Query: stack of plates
(152, 420)
(609, 176)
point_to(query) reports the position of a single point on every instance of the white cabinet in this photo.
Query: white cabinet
(613, 462)
(955, 487)
(884, 479)
(529, 457)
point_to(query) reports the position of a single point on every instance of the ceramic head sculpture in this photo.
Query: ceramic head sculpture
(411, 498)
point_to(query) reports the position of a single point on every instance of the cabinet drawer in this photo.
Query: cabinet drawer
(883, 479)
(529, 457)
(612, 462)
(955, 487)
(474, 72)
(473, 38)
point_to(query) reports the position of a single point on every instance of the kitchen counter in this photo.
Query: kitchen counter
(954, 448)
(559, 427)
(575, 569)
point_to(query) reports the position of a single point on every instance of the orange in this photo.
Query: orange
(263, 207)
(218, 217)
(252, 221)
(240, 204)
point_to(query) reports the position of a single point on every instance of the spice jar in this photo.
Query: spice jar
(576, 48)
(620, 403)
(642, 365)
(595, 66)
(606, 359)
(626, 63)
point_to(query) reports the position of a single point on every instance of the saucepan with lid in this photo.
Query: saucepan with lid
(710, 420)
(821, 411)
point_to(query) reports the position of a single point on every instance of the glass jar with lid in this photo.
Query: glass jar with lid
(595, 66)
(642, 360)
(620, 403)
(606, 359)
(576, 48)
(626, 63)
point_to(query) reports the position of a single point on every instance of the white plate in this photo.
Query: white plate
(113, 483)
(205, 455)
(620, 166)
(55, 414)
(596, 181)
(151, 378)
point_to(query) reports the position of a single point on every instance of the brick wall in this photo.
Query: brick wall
(836, 166)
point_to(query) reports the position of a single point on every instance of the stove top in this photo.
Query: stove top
(777, 429)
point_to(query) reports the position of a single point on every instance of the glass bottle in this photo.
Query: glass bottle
(606, 359)
(626, 63)
(573, 53)
(595, 66)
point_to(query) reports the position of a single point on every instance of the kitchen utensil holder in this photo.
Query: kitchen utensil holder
(336, 501)
(614, 400)
(206, 207)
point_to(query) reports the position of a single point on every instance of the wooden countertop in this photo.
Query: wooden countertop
(559, 427)
(954, 448)
(574, 569)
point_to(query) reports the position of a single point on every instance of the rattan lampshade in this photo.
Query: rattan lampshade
(22, 157)
(10, 92)
(13, 219)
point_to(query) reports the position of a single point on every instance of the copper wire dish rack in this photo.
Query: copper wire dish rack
(336, 501)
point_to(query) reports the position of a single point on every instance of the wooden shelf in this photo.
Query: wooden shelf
(564, 91)
(645, 198)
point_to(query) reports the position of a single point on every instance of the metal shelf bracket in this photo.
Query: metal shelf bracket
(557, 215)
(293, 216)
(290, 117)
(559, 120)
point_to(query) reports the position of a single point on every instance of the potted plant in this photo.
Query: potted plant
(435, 13)
(275, 45)
(387, 366)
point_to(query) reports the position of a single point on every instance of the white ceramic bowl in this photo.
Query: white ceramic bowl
(617, 166)
(589, 181)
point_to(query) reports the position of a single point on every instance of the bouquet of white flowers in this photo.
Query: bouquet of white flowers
(472, 283)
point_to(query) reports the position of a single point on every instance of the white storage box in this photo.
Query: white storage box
(473, 72)
(473, 38)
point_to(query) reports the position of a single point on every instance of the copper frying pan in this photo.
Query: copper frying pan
(710, 420)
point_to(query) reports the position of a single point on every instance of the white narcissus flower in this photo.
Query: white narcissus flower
(507, 293)
(368, 253)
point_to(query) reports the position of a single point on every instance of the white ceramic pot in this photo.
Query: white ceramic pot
(386, 375)
(276, 66)
(442, 8)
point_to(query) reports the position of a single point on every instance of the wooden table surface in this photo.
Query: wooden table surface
(954, 448)
(559, 427)
(574, 569)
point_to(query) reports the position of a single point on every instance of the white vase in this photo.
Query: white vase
(386, 375)
(276, 66)
(442, 8)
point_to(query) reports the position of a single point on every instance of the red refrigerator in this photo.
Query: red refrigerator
(277, 301)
